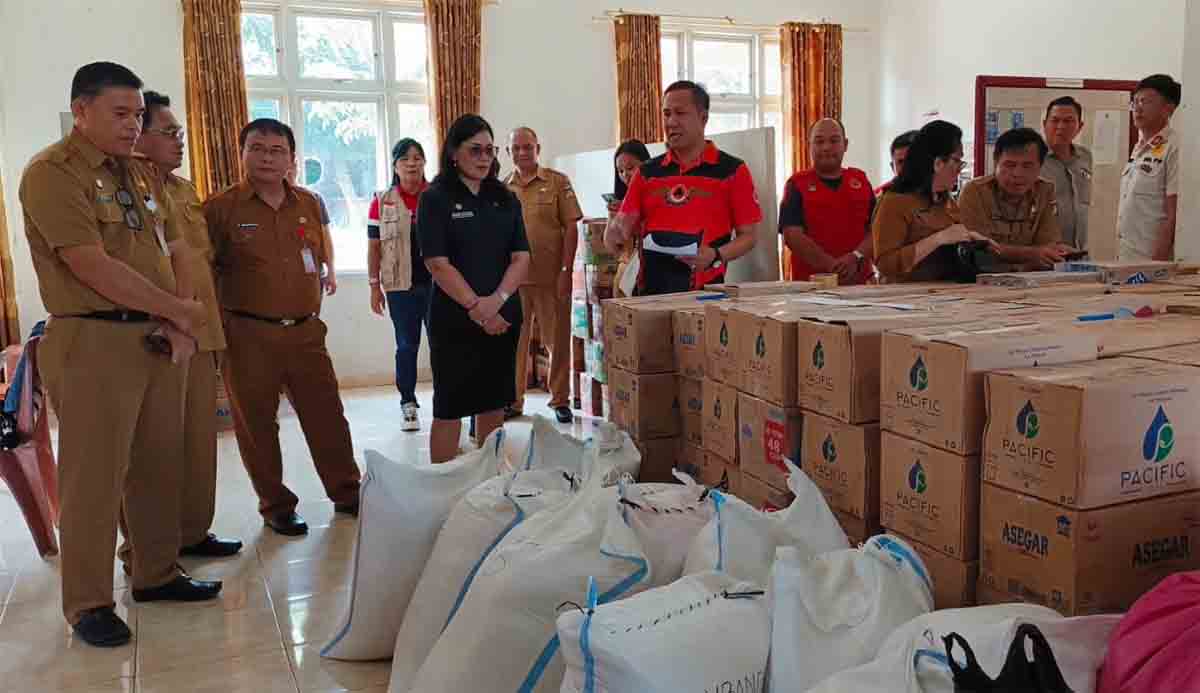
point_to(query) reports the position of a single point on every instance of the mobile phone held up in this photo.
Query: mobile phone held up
(610, 198)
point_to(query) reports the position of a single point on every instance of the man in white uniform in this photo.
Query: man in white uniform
(1150, 183)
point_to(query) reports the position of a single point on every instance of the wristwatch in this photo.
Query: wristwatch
(718, 259)
(859, 256)
(373, 281)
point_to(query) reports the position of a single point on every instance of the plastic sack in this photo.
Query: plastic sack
(403, 506)
(914, 660)
(703, 632)
(1154, 647)
(741, 540)
(833, 611)
(503, 637)
(1020, 674)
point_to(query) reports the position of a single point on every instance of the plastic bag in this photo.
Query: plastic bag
(1019, 675)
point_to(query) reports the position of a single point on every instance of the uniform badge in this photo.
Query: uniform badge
(303, 220)
(854, 184)
(151, 204)
(1146, 168)
(1157, 141)
(458, 205)
(679, 195)
(99, 184)
(1159, 151)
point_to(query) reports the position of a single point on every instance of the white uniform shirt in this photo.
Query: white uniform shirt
(1151, 175)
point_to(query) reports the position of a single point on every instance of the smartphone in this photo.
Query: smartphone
(610, 198)
(1077, 255)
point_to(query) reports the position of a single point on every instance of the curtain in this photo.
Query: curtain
(10, 327)
(216, 92)
(812, 89)
(639, 77)
(455, 30)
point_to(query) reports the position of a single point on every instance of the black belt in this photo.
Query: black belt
(114, 316)
(282, 322)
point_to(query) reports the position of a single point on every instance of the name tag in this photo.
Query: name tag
(462, 215)
(248, 227)
(310, 264)
(105, 199)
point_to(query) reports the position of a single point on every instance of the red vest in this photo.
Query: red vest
(836, 220)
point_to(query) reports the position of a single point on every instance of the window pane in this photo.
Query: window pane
(670, 60)
(410, 51)
(258, 45)
(336, 48)
(727, 122)
(413, 121)
(341, 148)
(264, 108)
(723, 66)
(771, 69)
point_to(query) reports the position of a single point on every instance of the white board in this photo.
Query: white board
(592, 174)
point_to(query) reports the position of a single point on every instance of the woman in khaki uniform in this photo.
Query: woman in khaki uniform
(629, 158)
(917, 218)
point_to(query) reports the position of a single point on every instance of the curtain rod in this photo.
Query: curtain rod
(717, 22)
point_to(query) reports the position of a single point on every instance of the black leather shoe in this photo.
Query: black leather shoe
(564, 415)
(346, 508)
(181, 589)
(212, 547)
(288, 524)
(510, 413)
(102, 628)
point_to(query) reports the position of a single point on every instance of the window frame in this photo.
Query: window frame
(757, 102)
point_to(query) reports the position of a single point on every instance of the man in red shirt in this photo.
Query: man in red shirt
(825, 217)
(694, 207)
(899, 153)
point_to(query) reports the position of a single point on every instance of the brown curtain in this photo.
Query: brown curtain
(216, 91)
(639, 77)
(812, 89)
(10, 327)
(455, 49)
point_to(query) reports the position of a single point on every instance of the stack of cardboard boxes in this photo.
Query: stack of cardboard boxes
(593, 279)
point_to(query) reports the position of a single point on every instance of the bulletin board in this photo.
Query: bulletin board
(1003, 103)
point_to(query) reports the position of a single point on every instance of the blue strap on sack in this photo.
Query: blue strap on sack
(462, 592)
(585, 640)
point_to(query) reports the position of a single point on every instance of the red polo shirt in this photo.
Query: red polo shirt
(679, 202)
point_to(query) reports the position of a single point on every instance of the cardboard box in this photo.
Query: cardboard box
(645, 406)
(593, 355)
(1114, 272)
(843, 461)
(1085, 561)
(767, 433)
(954, 581)
(709, 469)
(691, 410)
(639, 332)
(594, 252)
(930, 495)
(763, 496)
(1086, 435)
(776, 288)
(1186, 355)
(690, 351)
(765, 349)
(720, 419)
(933, 377)
(1030, 280)
(857, 529)
(581, 319)
(1120, 337)
(658, 460)
(719, 344)
(690, 461)
(592, 396)
(1123, 304)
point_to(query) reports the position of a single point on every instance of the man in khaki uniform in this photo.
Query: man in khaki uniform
(270, 250)
(112, 273)
(160, 152)
(551, 213)
(1015, 208)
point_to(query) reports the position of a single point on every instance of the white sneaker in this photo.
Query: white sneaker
(411, 421)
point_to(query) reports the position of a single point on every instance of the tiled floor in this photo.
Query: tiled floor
(281, 600)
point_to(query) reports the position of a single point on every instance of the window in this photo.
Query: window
(350, 83)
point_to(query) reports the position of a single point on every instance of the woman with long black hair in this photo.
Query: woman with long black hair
(473, 241)
(628, 159)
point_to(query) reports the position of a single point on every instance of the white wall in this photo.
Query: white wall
(932, 50)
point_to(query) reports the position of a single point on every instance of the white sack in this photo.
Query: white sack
(833, 611)
(402, 508)
(703, 632)
(741, 540)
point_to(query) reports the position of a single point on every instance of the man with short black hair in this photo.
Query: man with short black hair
(1015, 207)
(160, 154)
(112, 270)
(899, 152)
(269, 252)
(1149, 202)
(1069, 167)
(695, 206)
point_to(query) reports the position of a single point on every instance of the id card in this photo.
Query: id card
(310, 264)
(160, 233)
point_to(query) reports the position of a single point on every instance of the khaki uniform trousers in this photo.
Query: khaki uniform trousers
(262, 358)
(198, 503)
(554, 323)
(120, 457)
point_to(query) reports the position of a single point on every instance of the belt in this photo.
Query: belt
(114, 316)
(282, 322)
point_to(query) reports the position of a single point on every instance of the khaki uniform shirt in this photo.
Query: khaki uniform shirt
(1150, 177)
(260, 252)
(186, 204)
(69, 193)
(1072, 180)
(1032, 223)
(549, 206)
(901, 221)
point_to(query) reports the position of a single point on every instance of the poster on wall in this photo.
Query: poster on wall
(1106, 142)
(993, 126)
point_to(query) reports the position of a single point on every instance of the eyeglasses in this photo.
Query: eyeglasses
(1143, 101)
(176, 133)
(273, 151)
(478, 151)
(133, 218)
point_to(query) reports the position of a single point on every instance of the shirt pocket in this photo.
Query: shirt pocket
(1149, 182)
(1083, 187)
(114, 233)
(390, 222)
(545, 206)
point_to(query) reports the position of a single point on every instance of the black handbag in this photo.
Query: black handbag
(1019, 675)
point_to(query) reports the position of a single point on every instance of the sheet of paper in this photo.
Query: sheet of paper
(689, 250)
(1106, 138)
(628, 280)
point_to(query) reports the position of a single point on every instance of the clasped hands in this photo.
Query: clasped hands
(486, 313)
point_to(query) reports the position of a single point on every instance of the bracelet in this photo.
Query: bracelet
(373, 281)
(473, 304)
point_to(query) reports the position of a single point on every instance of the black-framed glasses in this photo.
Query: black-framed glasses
(176, 133)
(481, 152)
(133, 218)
